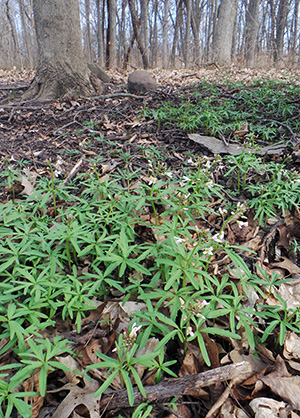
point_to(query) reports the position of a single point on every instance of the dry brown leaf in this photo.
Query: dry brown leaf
(79, 396)
(266, 408)
(229, 410)
(28, 187)
(287, 265)
(292, 346)
(288, 388)
(73, 365)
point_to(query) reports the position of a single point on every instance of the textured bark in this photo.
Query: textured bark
(281, 21)
(100, 36)
(61, 67)
(165, 35)
(222, 43)
(251, 30)
(111, 34)
(137, 33)
(88, 38)
(25, 34)
(187, 385)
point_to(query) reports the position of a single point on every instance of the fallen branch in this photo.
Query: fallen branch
(187, 385)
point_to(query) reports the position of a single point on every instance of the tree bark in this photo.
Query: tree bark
(135, 24)
(61, 67)
(88, 38)
(111, 34)
(222, 43)
(165, 35)
(100, 35)
(187, 385)
(251, 31)
(283, 11)
(25, 34)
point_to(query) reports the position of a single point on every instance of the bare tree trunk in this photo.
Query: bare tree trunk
(187, 54)
(100, 35)
(111, 34)
(61, 67)
(17, 58)
(135, 24)
(281, 21)
(294, 33)
(176, 31)
(144, 25)
(165, 35)
(25, 34)
(122, 34)
(222, 43)
(88, 39)
(251, 31)
(154, 35)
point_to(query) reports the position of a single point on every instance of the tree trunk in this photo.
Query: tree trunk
(222, 43)
(61, 67)
(88, 38)
(144, 4)
(25, 34)
(100, 36)
(283, 11)
(187, 53)
(165, 35)
(251, 31)
(111, 34)
(178, 22)
(135, 24)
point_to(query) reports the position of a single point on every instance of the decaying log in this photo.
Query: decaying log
(187, 385)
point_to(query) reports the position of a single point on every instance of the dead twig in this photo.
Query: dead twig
(187, 385)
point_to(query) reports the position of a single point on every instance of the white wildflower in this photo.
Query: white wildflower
(219, 237)
(241, 223)
(190, 331)
(178, 240)
(185, 178)
(208, 251)
(222, 211)
(169, 174)
(134, 331)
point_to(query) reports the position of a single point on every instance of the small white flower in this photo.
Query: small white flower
(190, 161)
(182, 302)
(219, 237)
(185, 178)
(241, 223)
(169, 174)
(208, 251)
(222, 211)
(178, 240)
(134, 331)
(189, 331)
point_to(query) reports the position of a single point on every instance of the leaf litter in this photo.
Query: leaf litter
(106, 136)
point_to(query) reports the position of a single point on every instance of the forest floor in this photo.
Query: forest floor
(241, 323)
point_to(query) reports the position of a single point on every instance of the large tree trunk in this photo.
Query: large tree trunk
(61, 67)
(222, 43)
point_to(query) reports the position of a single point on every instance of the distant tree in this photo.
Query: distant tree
(224, 31)
(251, 30)
(281, 21)
(61, 65)
(137, 33)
